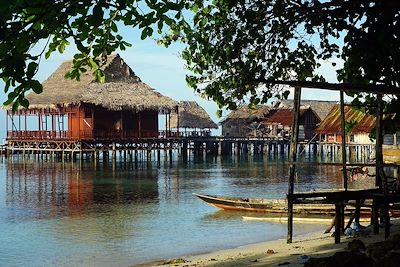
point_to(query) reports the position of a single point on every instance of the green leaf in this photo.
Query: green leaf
(8, 102)
(32, 67)
(146, 32)
(100, 77)
(36, 86)
(15, 105)
(93, 64)
(61, 47)
(114, 27)
(8, 83)
(24, 102)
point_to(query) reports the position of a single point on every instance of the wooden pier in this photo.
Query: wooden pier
(129, 149)
(147, 149)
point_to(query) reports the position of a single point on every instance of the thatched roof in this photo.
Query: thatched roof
(122, 89)
(191, 115)
(332, 123)
(248, 114)
(123, 95)
(321, 108)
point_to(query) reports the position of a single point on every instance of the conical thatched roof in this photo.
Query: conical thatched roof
(191, 115)
(122, 89)
(246, 113)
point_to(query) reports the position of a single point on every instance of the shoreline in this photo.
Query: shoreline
(273, 252)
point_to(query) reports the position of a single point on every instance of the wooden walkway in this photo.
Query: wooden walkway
(198, 145)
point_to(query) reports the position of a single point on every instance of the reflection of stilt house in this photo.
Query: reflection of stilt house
(244, 122)
(193, 120)
(71, 113)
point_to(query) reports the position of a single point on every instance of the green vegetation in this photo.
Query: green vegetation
(235, 49)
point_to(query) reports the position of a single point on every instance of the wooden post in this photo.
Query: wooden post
(338, 222)
(166, 125)
(343, 124)
(292, 159)
(140, 125)
(169, 122)
(378, 149)
(122, 124)
(177, 121)
(7, 125)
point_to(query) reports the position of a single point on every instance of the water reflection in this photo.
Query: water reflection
(65, 189)
(121, 213)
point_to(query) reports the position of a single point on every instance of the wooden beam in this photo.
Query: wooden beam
(293, 157)
(347, 87)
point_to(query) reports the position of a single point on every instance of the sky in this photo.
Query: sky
(163, 70)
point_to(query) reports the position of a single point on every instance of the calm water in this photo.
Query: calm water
(71, 214)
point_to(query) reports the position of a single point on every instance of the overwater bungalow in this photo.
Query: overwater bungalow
(244, 121)
(192, 120)
(359, 124)
(320, 107)
(68, 111)
(279, 123)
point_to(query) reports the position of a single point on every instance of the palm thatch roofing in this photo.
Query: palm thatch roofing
(321, 108)
(248, 114)
(122, 90)
(192, 116)
(363, 123)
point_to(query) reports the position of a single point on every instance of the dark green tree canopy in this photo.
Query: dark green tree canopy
(236, 46)
(235, 49)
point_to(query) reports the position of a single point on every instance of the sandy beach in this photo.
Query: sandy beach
(276, 252)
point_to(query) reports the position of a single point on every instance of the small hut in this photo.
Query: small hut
(122, 107)
(244, 121)
(359, 125)
(279, 123)
(320, 107)
(192, 117)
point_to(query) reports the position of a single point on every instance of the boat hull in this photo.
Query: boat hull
(274, 206)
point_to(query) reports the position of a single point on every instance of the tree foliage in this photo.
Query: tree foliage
(234, 49)
(92, 25)
(243, 48)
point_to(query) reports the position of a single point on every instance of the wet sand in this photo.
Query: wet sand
(276, 252)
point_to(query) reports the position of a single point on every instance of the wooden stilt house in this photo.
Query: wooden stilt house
(358, 125)
(279, 123)
(121, 108)
(244, 121)
(192, 120)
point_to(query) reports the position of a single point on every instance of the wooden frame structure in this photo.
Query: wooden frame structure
(381, 196)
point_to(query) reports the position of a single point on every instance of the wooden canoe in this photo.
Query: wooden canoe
(273, 206)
